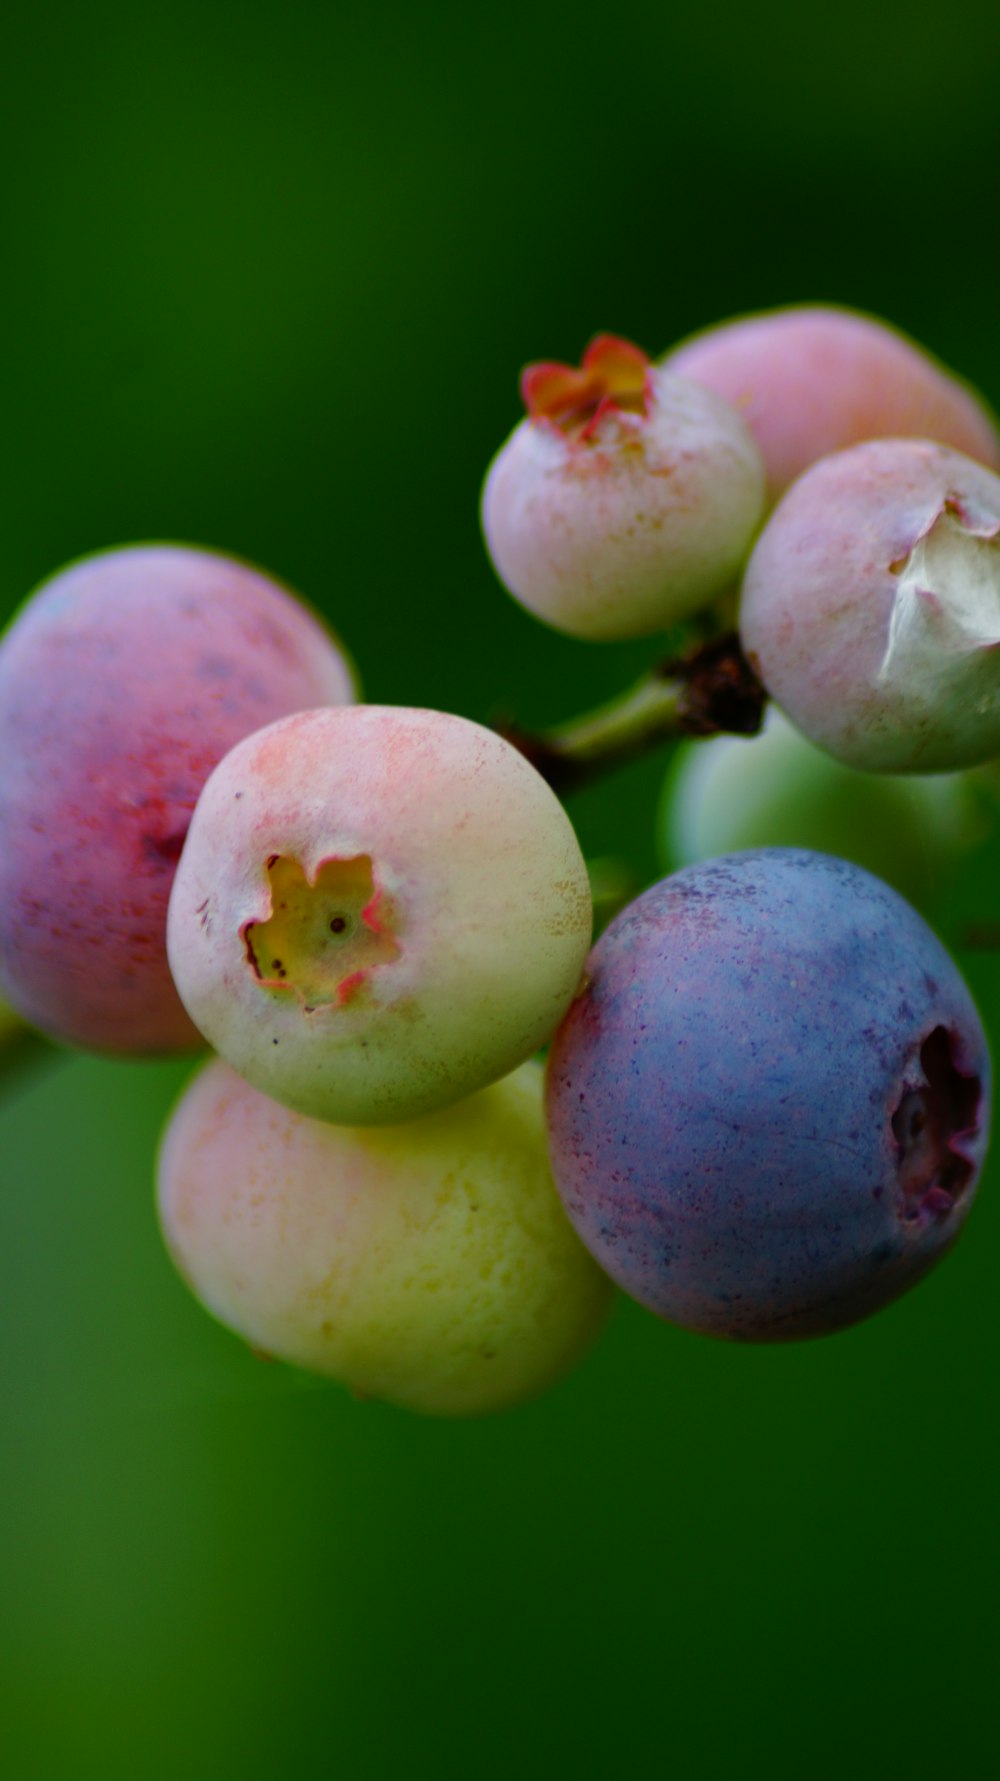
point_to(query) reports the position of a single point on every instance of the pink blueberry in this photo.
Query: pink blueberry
(871, 607)
(625, 501)
(811, 380)
(378, 911)
(123, 680)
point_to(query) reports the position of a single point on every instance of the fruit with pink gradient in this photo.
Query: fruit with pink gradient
(123, 680)
(625, 501)
(810, 380)
(871, 607)
(378, 911)
(430, 1264)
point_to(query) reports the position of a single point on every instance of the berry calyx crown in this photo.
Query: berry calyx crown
(612, 377)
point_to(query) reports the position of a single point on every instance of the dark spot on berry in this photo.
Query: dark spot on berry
(929, 1125)
(165, 850)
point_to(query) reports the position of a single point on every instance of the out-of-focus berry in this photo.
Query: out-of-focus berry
(870, 607)
(430, 1264)
(378, 911)
(768, 1110)
(729, 793)
(625, 501)
(811, 380)
(123, 680)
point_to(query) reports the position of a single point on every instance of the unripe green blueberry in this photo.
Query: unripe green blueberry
(777, 789)
(429, 1264)
(870, 607)
(378, 910)
(811, 380)
(626, 500)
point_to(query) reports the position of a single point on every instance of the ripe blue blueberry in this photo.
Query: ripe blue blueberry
(769, 1107)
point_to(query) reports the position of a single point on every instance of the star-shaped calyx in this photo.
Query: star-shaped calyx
(324, 936)
(612, 378)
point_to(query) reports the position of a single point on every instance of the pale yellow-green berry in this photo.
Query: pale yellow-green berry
(430, 1264)
(378, 910)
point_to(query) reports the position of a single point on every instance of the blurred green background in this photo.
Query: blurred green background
(268, 279)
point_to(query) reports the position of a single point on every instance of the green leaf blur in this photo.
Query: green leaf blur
(269, 277)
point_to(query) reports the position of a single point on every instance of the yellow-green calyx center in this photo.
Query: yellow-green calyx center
(323, 937)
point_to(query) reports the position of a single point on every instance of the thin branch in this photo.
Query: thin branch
(710, 689)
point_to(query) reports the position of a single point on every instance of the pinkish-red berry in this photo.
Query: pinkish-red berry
(812, 380)
(123, 680)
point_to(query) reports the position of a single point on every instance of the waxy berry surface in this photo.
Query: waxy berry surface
(769, 1108)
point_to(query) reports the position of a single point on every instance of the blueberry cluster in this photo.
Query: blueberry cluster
(766, 1104)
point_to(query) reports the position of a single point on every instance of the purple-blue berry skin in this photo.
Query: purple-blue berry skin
(769, 1106)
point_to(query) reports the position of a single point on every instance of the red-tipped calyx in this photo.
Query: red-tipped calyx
(612, 375)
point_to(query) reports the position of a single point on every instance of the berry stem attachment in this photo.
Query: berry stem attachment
(708, 689)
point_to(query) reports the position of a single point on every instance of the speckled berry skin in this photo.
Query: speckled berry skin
(627, 509)
(769, 1108)
(123, 680)
(811, 379)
